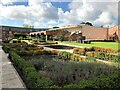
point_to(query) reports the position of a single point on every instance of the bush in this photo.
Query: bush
(91, 54)
(55, 52)
(101, 55)
(29, 72)
(39, 47)
(42, 52)
(105, 81)
(65, 55)
(90, 58)
(80, 51)
(6, 48)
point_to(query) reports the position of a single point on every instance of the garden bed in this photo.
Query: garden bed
(62, 72)
(50, 69)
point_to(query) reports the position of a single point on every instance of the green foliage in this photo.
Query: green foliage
(105, 81)
(62, 73)
(28, 26)
(29, 72)
(108, 57)
(65, 55)
(90, 58)
(62, 38)
(18, 35)
(6, 48)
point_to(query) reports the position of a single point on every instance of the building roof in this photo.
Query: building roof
(25, 29)
(69, 27)
(22, 27)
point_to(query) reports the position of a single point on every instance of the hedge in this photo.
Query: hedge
(65, 55)
(97, 53)
(108, 57)
(82, 51)
(111, 81)
(70, 56)
(6, 48)
(29, 72)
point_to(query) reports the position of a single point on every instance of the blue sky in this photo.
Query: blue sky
(51, 14)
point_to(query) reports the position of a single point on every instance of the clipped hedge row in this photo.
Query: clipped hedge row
(33, 79)
(75, 57)
(104, 56)
(111, 81)
(82, 51)
(6, 48)
(107, 57)
(65, 55)
(33, 52)
(90, 56)
(16, 44)
(105, 50)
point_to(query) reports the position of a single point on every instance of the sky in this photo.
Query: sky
(58, 13)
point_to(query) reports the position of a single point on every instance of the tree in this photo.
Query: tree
(86, 23)
(82, 23)
(28, 26)
(62, 38)
(82, 38)
(55, 27)
(18, 35)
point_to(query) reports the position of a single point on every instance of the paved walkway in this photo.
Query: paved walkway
(48, 48)
(70, 45)
(10, 77)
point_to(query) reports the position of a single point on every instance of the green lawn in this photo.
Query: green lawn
(112, 45)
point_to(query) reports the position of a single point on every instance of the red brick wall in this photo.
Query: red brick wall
(95, 33)
(114, 30)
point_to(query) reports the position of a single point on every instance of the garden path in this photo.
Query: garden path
(9, 76)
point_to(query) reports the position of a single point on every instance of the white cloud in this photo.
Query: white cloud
(46, 15)
(52, 22)
(104, 18)
(29, 14)
(5, 2)
(104, 13)
(34, 2)
(14, 12)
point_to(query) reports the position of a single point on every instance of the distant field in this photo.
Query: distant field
(112, 45)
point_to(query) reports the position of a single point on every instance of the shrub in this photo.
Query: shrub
(76, 50)
(25, 52)
(55, 52)
(90, 58)
(104, 81)
(29, 72)
(39, 47)
(42, 52)
(65, 55)
(6, 48)
(90, 54)
(80, 51)
(101, 55)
